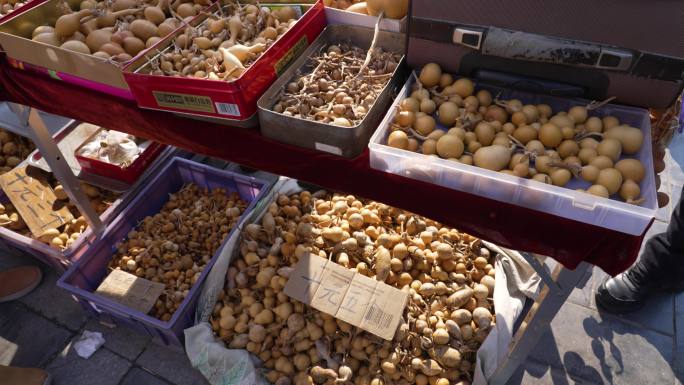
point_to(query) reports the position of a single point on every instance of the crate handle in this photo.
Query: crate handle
(583, 205)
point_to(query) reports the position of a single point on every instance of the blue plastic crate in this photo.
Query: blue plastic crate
(85, 276)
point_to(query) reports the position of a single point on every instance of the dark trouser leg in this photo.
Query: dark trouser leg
(663, 258)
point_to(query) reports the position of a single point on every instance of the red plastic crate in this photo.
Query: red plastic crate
(126, 174)
(235, 100)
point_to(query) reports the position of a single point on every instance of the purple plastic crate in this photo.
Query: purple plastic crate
(57, 259)
(60, 260)
(84, 277)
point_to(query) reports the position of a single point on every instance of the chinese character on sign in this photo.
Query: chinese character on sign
(34, 199)
(329, 293)
(354, 301)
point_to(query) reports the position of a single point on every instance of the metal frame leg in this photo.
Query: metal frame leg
(537, 320)
(59, 166)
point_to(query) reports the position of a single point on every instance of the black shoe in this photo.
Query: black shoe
(623, 294)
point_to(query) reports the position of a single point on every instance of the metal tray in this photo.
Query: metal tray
(344, 141)
(11, 122)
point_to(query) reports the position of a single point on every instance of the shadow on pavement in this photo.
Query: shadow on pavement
(570, 370)
(601, 331)
(599, 334)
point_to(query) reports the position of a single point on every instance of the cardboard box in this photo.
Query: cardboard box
(343, 141)
(231, 101)
(88, 71)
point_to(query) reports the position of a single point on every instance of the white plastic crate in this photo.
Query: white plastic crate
(340, 16)
(560, 201)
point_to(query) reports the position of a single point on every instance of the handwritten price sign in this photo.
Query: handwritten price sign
(35, 201)
(354, 298)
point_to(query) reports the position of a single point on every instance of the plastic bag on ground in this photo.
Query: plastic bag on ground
(88, 343)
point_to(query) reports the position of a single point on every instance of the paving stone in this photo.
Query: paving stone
(172, 365)
(584, 294)
(55, 303)
(102, 368)
(674, 159)
(664, 176)
(138, 376)
(121, 340)
(545, 353)
(620, 352)
(11, 258)
(658, 314)
(533, 372)
(30, 339)
(676, 190)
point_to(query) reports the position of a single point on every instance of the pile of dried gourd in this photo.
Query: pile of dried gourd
(9, 6)
(174, 246)
(525, 140)
(63, 236)
(13, 150)
(341, 88)
(448, 275)
(229, 41)
(116, 30)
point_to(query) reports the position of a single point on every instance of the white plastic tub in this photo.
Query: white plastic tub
(340, 16)
(560, 201)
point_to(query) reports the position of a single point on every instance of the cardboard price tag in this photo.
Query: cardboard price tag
(35, 201)
(130, 290)
(354, 298)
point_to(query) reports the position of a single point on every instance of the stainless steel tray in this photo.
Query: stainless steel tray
(344, 141)
(11, 122)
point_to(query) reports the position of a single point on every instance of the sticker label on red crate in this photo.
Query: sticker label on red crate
(281, 65)
(184, 101)
(227, 109)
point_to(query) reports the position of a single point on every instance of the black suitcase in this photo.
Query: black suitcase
(628, 49)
